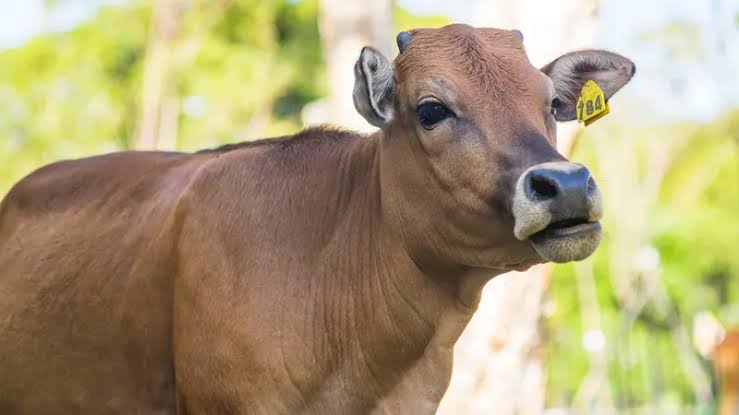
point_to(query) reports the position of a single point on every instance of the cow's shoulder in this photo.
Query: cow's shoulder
(267, 173)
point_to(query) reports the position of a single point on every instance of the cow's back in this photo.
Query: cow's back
(86, 262)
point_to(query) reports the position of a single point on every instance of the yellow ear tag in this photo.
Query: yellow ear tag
(592, 105)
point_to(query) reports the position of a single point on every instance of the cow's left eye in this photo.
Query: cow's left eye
(432, 113)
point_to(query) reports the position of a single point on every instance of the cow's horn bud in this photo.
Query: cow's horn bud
(403, 39)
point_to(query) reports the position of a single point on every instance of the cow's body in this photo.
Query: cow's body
(86, 285)
(132, 279)
(322, 273)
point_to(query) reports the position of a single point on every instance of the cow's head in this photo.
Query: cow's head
(468, 148)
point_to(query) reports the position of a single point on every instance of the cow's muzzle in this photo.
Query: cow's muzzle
(557, 207)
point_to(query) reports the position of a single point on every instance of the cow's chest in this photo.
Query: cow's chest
(415, 386)
(423, 384)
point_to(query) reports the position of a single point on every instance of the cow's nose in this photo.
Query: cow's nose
(566, 187)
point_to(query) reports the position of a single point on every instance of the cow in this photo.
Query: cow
(720, 348)
(725, 358)
(327, 272)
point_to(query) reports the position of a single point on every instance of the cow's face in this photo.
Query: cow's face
(469, 143)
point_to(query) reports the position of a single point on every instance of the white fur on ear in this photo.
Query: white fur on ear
(374, 87)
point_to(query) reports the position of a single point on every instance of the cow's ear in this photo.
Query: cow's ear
(374, 87)
(569, 73)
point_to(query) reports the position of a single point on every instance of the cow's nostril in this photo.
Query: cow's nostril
(542, 187)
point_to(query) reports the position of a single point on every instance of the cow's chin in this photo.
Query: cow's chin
(572, 243)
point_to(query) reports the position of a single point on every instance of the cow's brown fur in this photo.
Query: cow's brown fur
(726, 361)
(327, 272)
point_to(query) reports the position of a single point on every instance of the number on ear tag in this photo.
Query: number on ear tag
(592, 104)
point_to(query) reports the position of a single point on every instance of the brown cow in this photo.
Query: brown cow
(726, 361)
(721, 347)
(325, 272)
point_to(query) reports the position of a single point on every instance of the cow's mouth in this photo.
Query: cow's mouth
(568, 227)
(556, 208)
(567, 240)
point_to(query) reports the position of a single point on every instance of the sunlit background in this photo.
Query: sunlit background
(635, 329)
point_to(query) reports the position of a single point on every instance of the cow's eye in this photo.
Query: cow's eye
(556, 104)
(432, 113)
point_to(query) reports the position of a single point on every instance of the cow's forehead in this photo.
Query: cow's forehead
(456, 33)
(481, 57)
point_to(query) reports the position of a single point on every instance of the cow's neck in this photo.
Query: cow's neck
(404, 315)
(411, 277)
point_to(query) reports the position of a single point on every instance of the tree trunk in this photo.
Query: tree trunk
(347, 26)
(157, 125)
(498, 364)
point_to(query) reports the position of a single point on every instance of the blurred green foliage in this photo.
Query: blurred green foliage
(77, 93)
(691, 225)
